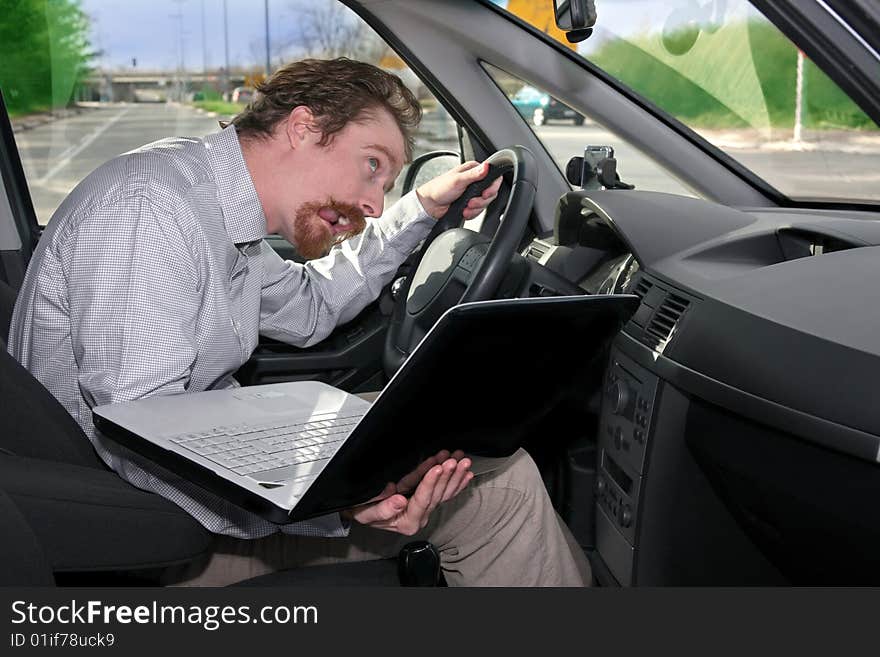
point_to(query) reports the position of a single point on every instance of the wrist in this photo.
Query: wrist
(430, 208)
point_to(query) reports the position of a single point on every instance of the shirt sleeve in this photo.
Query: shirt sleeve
(135, 291)
(302, 304)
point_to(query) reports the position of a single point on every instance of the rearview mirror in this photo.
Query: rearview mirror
(575, 17)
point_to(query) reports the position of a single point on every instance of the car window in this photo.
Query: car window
(721, 68)
(85, 80)
(565, 133)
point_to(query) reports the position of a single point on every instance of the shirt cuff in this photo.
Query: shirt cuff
(406, 212)
(330, 526)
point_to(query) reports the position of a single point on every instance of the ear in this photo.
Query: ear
(299, 126)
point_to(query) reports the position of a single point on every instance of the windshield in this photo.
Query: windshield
(726, 72)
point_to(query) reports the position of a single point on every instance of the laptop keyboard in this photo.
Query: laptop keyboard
(250, 449)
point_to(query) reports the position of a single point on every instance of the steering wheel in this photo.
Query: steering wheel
(456, 265)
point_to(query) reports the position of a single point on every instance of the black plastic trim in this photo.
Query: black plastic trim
(863, 13)
(819, 431)
(16, 186)
(441, 92)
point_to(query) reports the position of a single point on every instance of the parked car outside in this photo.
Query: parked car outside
(539, 107)
(242, 95)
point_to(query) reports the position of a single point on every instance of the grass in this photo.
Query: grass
(736, 105)
(219, 106)
(18, 112)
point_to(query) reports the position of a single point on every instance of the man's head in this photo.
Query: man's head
(324, 140)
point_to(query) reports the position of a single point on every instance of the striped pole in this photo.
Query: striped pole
(799, 99)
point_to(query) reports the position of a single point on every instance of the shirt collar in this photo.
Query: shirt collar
(242, 211)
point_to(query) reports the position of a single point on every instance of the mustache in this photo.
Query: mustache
(311, 239)
(356, 219)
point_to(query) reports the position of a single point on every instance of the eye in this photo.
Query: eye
(373, 163)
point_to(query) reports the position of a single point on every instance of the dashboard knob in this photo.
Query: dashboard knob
(396, 286)
(619, 395)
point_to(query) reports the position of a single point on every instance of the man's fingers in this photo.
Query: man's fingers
(464, 482)
(454, 483)
(388, 491)
(449, 468)
(439, 484)
(420, 503)
(492, 190)
(411, 480)
(479, 203)
(378, 512)
(487, 196)
(465, 166)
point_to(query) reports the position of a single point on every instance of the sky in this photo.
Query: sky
(150, 31)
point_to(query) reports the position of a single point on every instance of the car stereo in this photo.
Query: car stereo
(625, 423)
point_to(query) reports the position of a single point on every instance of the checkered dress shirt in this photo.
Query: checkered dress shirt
(152, 278)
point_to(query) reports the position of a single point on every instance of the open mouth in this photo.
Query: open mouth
(336, 222)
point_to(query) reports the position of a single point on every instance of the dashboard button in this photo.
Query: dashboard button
(619, 394)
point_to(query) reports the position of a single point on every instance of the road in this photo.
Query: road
(58, 154)
(843, 163)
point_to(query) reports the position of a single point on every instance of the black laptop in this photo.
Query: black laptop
(480, 381)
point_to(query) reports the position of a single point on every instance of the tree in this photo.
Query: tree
(328, 29)
(44, 53)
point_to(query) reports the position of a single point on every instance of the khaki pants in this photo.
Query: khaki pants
(500, 531)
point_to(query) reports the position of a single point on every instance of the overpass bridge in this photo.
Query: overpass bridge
(155, 86)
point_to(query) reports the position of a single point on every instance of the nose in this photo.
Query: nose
(373, 203)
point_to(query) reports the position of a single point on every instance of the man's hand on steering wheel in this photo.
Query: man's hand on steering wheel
(436, 480)
(438, 194)
(454, 264)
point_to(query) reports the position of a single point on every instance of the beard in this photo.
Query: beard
(313, 237)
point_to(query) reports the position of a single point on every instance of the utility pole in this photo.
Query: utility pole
(181, 61)
(204, 42)
(799, 99)
(225, 51)
(268, 67)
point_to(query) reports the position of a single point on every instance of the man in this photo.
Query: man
(153, 278)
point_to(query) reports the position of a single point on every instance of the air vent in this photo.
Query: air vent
(642, 288)
(659, 313)
(537, 250)
(666, 318)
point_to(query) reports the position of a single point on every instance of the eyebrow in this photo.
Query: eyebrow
(387, 152)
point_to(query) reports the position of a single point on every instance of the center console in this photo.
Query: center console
(627, 408)
(658, 520)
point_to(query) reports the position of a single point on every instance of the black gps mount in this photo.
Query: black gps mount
(597, 169)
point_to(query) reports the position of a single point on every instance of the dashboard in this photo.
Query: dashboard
(739, 429)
